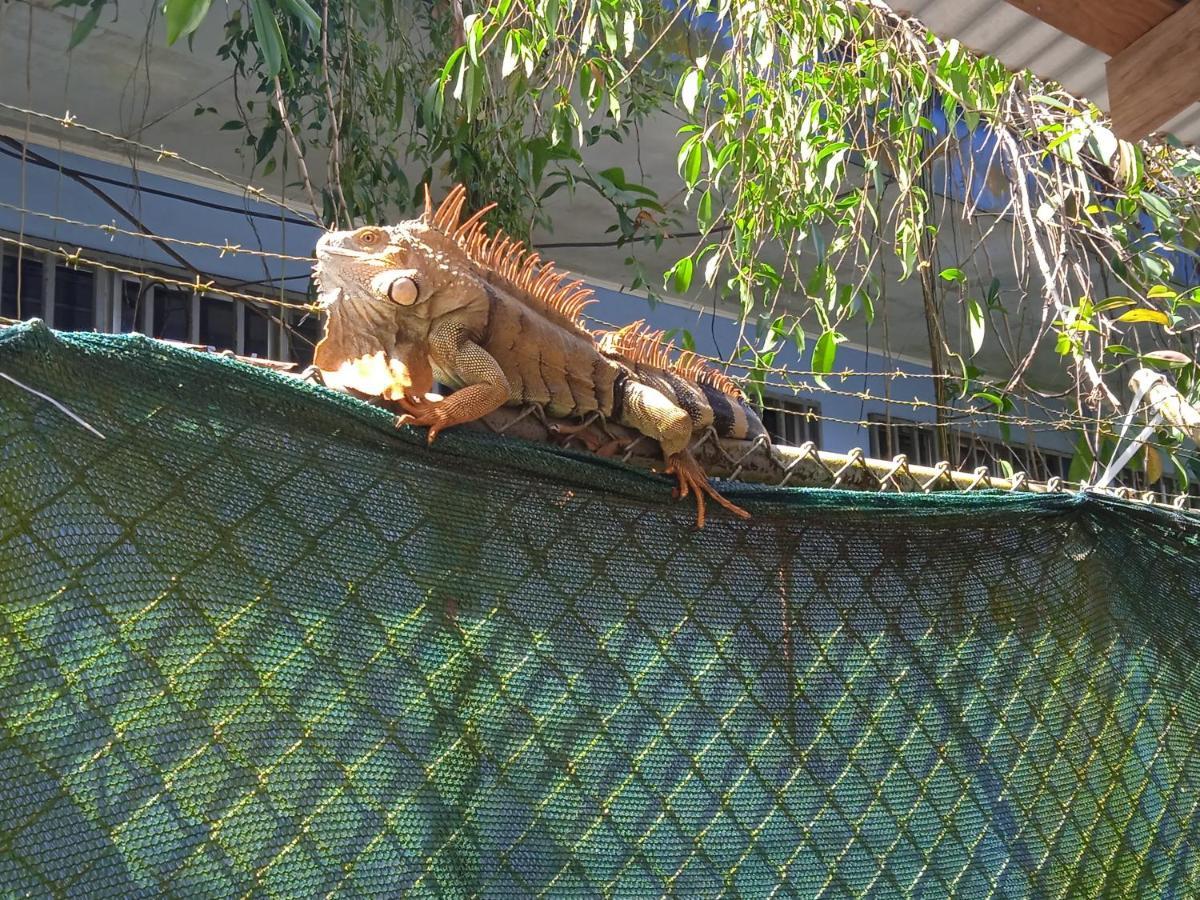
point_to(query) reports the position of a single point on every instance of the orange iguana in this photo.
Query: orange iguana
(439, 296)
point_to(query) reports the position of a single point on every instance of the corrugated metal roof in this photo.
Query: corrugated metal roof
(1022, 42)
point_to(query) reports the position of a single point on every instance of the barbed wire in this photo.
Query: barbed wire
(162, 153)
(197, 285)
(1058, 421)
(225, 249)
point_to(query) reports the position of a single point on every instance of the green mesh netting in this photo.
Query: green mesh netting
(256, 641)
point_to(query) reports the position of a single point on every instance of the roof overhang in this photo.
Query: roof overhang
(1137, 59)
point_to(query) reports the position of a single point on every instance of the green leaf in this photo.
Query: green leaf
(184, 17)
(1162, 291)
(1168, 358)
(956, 275)
(690, 89)
(704, 214)
(1114, 303)
(270, 39)
(691, 164)
(512, 54)
(306, 14)
(1154, 466)
(85, 25)
(977, 323)
(1145, 315)
(825, 352)
(679, 276)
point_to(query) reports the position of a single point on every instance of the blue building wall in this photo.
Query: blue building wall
(178, 209)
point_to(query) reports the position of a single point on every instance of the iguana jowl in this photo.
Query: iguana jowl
(440, 296)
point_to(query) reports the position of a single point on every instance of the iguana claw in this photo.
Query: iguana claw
(692, 479)
(431, 418)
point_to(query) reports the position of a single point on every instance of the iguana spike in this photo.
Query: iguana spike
(466, 226)
(578, 302)
(427, 216)
(455, 212)
(541, 284)
(499, 248)
(477, 245)
(527, 267)
(510, 261)
(439, 215)
(507, 259)
(566, 291)
(447, 213)
(693, 368)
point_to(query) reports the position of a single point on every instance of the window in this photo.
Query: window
(74, 299)
(132, 302)
(172, 314)
(218, 323)
(258, 329)
(23, 300)
(303, 335)
(1003, 460)
(792, 422)
(890, 437)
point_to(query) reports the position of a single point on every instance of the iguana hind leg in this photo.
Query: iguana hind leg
(654, 415)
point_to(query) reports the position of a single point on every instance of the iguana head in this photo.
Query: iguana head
(370, 264)
(381, 288)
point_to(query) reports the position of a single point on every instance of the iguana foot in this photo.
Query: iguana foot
(693, 480)
(431, 420)
(424, 413)
(465, 405)
(415, 404)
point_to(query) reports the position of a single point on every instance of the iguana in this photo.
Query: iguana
(441, 297)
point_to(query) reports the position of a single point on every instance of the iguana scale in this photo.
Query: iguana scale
(440, 297)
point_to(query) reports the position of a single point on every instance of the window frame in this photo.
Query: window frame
(801, 413)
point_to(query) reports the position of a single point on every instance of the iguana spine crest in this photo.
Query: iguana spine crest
(522, 272)
(638, 343)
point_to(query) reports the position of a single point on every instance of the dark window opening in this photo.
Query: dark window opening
(218, 323)
(792, 422)
(172, 315)
(1004, 460)
(22, 301)
(132, 303)
(891, 437)
(74, 300)
(258, 328)
(304, 334)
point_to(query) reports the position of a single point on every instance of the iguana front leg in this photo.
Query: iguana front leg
(486, 387)
(654, 415)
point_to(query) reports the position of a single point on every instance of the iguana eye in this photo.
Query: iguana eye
(370, 238)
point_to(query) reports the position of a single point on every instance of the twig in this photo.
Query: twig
(53, 403)
(294, 141)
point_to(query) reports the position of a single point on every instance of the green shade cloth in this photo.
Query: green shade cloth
(256, 640)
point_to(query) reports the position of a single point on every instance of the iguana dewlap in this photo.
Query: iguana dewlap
(434, 297)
